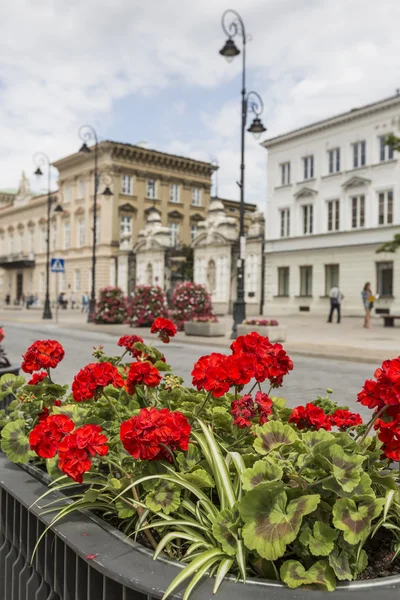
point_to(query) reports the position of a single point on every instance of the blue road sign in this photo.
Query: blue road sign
(57, 265)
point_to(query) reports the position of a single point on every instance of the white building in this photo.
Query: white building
(333, 199)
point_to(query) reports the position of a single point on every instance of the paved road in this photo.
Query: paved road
(310, 376)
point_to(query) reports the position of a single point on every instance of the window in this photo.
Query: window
(359, 154)
(67, 236)
(81, 233)
(20, 239)
(125, 225)
(308, 210)
(196, 196)
(385, 208)
(285, 173)
(385, 151)
(11, 243)
(82, 188)
(357, 211)
(77, 280)
(193, 231)
(333, 215)
(41, 281)
(334, 160)
(151, 188)
(283, 281)
(331, 277)
(285, 222)
(174, 192)
(97, 230)
(54, 236)
(43, 239)
(174, 234)
(306, 281)
(308, 165)
(67, 192)
(32, 240)
(384, 276)
(127, 185)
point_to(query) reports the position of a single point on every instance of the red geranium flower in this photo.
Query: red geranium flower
(309, 417)
(264, 407)
(270, 360)
(345, 419)
(212, 373)
(128, 342)
(386, 388)
(243, 410)
(369, 395)
(2, 334)
(45, 437)
(91, 380)
(37, 378)
(142, 373)
(145, 435)
(165, 329)
(77, 449)
(43, 354)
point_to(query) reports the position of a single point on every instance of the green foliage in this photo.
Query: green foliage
(14, 441)
(321, 574)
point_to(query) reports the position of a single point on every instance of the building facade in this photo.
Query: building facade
(140, 179)
(333, 199)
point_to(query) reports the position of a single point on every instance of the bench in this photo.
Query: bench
(388, 320)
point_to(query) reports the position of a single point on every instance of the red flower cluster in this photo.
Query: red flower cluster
(43, 354)
(2, 334)
(44, 413)
(128, 342)
(91, 380)
(76, 450)
(45, 437)
(165, 329)
(142, 373)
(245, 409)
(145, 435)
(37, 378)
(310, 417)
(343, 419)
(389, 433)
(252, 356)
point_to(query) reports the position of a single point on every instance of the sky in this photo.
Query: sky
(150, 72)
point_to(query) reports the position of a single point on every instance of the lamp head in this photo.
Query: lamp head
(84, 148)
(257, 128)
(107, 192)
(230, 50)
(38, 172)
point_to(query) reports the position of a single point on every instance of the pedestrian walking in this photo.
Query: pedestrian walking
(85, 302)
(72, 300)
(368, 301)
(336, 297)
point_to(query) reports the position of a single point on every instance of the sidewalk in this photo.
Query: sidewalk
(308, 335)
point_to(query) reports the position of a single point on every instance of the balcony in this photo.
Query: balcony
(18, 261)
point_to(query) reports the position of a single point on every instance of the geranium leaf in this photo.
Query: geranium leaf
(320, 540)
(124, 510)
(272, 435)
(164, 497)
(14, 442)
(223, 529)
(294, 575)
(355, 520)
(360, 563)
(362, 491)
(188, 460)
(222, 419)
(344, 467)
(261, 472)
(199, 478)
(270, 522)
(10, 383)
(48, 389)
(73, 411)
(313, 439)
(339, 561)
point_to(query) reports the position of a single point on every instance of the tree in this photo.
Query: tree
(394, 142)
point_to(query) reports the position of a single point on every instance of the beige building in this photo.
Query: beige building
(139, 178)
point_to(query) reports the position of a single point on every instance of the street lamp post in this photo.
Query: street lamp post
(87, 133)
(232, 25)
(41, 159)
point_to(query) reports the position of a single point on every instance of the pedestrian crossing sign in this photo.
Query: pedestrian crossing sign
(57, 265)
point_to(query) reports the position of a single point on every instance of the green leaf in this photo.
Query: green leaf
(15, 442)
(190, 459)
(162, 366)
(272, 435)
(73, 411)
(339, 561)
(360, 563)
(344, 467)
(270, 522)
(10, 383)
(315, 439)
(52, 467)
(200, 478)
(294, 575)
(164, 497)
(355, 520)
(222, 419)
(48, 389)
(362, 491)
(124, 510)
(261, 472)
(320, 540)
(224, 527)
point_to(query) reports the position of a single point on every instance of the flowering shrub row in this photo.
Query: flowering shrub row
(147, 303)
(222, 475)
(192, 302)
(111, 307)
(261, 322)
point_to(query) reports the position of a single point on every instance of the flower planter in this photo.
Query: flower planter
(13, 369)
(204, 329)
(83, 558)
(275, 333)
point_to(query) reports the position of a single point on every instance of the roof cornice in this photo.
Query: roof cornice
(352, 115)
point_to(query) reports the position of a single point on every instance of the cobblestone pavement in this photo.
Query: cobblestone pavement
(310, 377)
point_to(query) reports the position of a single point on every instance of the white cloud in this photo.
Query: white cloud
(66, 63)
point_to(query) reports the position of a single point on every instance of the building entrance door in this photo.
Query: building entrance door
(20, 286)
